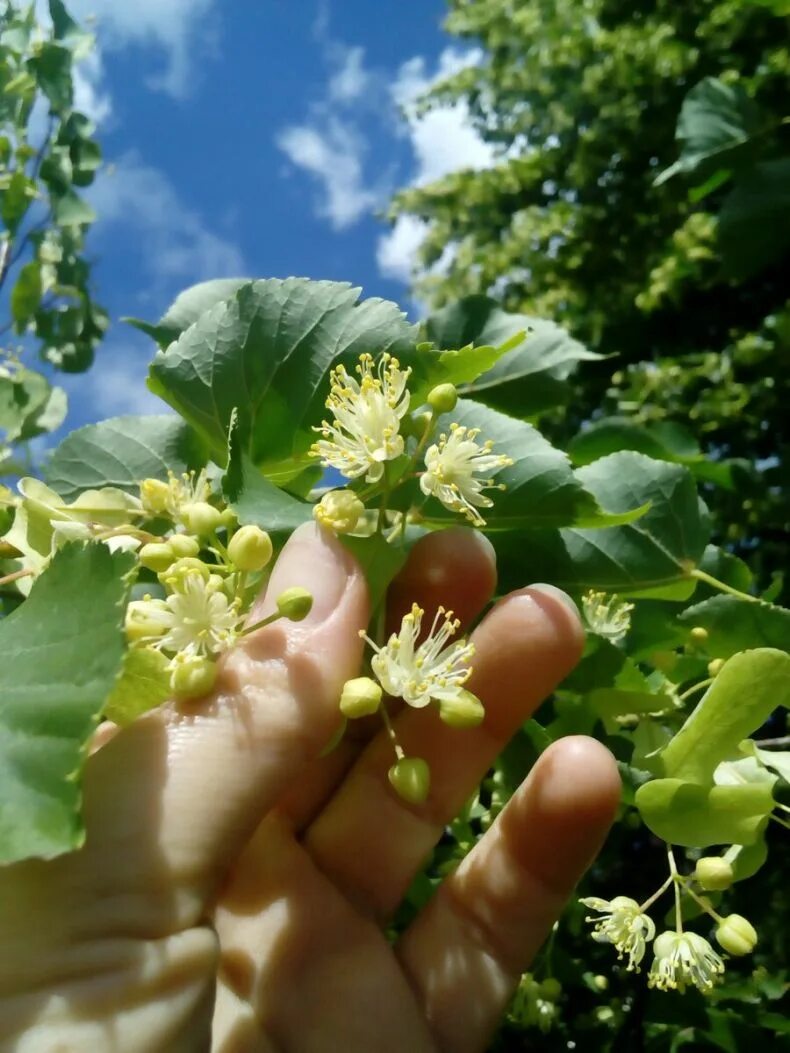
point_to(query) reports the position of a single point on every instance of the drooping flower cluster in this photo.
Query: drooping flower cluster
(684, 958)
(367, 432)
(623, 924)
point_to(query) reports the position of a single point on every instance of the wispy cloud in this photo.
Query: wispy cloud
(442, 140)
(179, 246)
(183, 31)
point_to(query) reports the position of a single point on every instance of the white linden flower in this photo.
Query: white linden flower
(198, 619)
(430, 671)
(607, 617)
(367, 415)
(682, 958)
(451, 468)
(622, 924)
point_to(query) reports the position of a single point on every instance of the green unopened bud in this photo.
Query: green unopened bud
(154, 495)
(158, 555)
(360, 697)
(715, 667)
(550, 989)
(604, 1014)
(184, 545)
(192, 676)
(713, 873)
(464, 710)
(699, 634)
(339, 510)
(295, 603)
(411, 779)
(601, 982)
(443, 398)
(201, 518)
(177, 573)
(250, 548)
(736, 935)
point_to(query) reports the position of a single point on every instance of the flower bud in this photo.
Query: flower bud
(339, 510)
(713, 873)
(144, 619)
(158, 555)
(736, 935)
(443, 398)
(360, 697)
(411, 779)
(601, 982)
(192, 676)
(184, 545)
(177, 573)
(250, 548)
(464, 710)
(699, 634)
(550, 989)
(715, 667)
(295, 603)
(200, 518)
(154, 495)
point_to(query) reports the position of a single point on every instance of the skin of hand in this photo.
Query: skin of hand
(234, 886)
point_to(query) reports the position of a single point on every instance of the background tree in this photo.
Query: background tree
(47, 156)
(681, 277)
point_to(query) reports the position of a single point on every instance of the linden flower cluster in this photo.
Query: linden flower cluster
(205, 600)
(681, 959)
(367, 432)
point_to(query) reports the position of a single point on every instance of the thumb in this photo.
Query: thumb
(190, 781)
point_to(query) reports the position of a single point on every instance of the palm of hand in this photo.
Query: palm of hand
(175, 929)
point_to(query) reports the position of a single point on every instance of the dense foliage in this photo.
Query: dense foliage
(47, 157)
(682, 278)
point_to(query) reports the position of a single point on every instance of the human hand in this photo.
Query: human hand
(233, 889)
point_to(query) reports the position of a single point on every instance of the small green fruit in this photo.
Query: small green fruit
(443, 398)
(157, 556)
(699, 634)
(464, 711)
(201, 518)
(184, 545)
(250, 548)
(295, 603)
(411, 779)
(360, 698)
(713, 873)
(736, 935)
(192, 676)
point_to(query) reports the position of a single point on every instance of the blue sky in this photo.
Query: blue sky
(254, 138)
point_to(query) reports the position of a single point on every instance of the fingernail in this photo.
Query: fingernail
(314, 560)
(558, 594)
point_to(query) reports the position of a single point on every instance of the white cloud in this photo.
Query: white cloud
(332, 152)
(350, 80)
(179, 247)
(89, 96)
(443, 140)
(180, 29)
(116, 386)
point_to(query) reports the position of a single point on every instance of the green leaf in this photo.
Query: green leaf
(121, 452)
(187, 307)
(26, 295)
(62, 651)
(777, 760)
(530, 378)
(256, 500)
(380, 561)
(684, 813)
(749, 687)
(70, 210)
(715, 126)
(664, 441)
(52, 68)
(735, 625)
(267, 351)
(754, 223)
(541, 488)
(144, 683)
(651, 556)
(15, 199)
